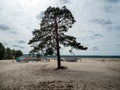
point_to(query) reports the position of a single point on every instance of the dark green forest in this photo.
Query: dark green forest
(8, 53)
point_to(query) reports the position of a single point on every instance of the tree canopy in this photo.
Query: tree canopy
(2, 51)
(7, 53)
(55, 22)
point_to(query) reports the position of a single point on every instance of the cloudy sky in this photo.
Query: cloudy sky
(97, 26)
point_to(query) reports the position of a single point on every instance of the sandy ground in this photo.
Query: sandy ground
(85, 75)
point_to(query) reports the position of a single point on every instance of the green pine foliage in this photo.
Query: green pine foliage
(55, 23)
(45, 37)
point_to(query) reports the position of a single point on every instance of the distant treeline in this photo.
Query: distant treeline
(7, 53)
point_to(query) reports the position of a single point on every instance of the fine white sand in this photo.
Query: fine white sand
(88, 74)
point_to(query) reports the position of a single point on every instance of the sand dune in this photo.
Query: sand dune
(86, 75)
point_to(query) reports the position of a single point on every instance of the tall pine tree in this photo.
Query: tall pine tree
(55, 22)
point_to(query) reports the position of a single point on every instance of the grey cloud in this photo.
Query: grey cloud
(95, 48)
(102, 21)
(5, 43)
(21, 24)
(13, 32)
(15, 45)
(64, 1)
(118, 45)
(112, 1)
(27, 27)
(117, 28)
(110, 28)
(22, 47)
(21, 41)
(95, 36)
(109, 9)
(4, 27)
(40, 15)
(98, 35)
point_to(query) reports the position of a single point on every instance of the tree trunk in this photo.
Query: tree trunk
(57, 45)
(58, 55)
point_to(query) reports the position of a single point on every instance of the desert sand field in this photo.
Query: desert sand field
(88, 74)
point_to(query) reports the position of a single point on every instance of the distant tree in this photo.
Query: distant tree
(9, 53)
(18, 53)
(55, 22)
(13, 52)
(2, 51)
